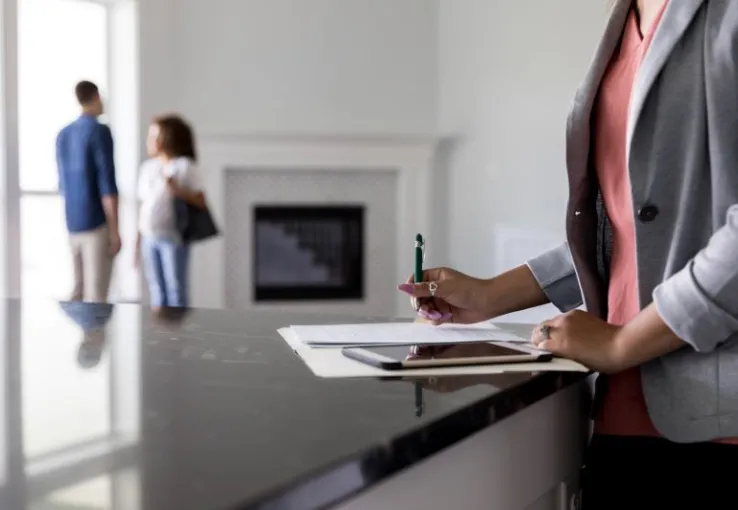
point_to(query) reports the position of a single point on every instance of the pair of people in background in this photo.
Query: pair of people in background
(87, 181)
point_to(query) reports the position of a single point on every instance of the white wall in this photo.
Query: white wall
(507, 75)
(275, 67)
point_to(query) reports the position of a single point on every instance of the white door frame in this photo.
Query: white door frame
(10, 280)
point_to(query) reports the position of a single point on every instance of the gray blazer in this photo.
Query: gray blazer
(682, 144)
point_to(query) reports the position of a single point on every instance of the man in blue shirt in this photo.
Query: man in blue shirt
(84, 154)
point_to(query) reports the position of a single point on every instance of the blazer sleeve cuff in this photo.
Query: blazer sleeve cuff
(691, 314)
(554, 272)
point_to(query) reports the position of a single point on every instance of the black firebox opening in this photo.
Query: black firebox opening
(308, 253)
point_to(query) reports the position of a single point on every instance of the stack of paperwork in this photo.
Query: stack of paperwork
(320, 348)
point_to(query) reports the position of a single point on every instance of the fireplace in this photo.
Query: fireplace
(308, 252)
(390, 177)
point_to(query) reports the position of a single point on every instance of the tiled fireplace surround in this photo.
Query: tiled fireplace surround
(408, 160)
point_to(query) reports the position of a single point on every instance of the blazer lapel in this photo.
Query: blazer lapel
(578, 132)
(676, 19)
(604, 53)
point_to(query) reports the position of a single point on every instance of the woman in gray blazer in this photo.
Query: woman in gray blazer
(651, 253)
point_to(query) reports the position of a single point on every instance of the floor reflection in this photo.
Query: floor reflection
(64, 379)
(71, 389)
(91, 494)
(114, 491)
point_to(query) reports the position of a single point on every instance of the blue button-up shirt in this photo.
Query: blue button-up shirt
(84, 156)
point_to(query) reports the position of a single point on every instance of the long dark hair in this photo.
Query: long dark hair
(176, 138)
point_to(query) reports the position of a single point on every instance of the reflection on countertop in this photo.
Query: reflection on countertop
(113, 408)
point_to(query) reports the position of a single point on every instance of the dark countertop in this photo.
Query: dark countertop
(210, 412)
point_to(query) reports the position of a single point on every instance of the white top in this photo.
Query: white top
(156, 216)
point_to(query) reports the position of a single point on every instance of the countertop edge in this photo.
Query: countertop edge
(319, 490)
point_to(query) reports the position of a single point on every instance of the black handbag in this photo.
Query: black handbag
(193, 223)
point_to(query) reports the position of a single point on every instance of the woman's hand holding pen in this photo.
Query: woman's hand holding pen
(446, 295)
(458, 298)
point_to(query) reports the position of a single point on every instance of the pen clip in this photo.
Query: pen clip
(421, 244)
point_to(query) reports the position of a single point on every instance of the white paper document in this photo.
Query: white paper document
(331, 363)
(402, 333)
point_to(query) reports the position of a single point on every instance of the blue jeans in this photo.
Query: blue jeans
(166, 264)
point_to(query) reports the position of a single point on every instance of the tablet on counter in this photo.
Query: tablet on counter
(394, 357)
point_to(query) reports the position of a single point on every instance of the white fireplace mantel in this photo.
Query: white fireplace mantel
(410, 157)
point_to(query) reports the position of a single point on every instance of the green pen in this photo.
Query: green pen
(419, 256)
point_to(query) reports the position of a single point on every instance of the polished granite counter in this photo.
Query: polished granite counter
(111, 408)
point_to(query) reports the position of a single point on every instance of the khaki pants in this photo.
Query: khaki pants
(93, 265)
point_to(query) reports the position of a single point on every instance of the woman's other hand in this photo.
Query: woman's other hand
(458, 298)
(583, 337)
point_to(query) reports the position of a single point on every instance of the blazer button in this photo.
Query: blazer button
(648, 213)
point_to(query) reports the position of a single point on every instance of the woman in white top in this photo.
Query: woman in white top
(170, 173)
